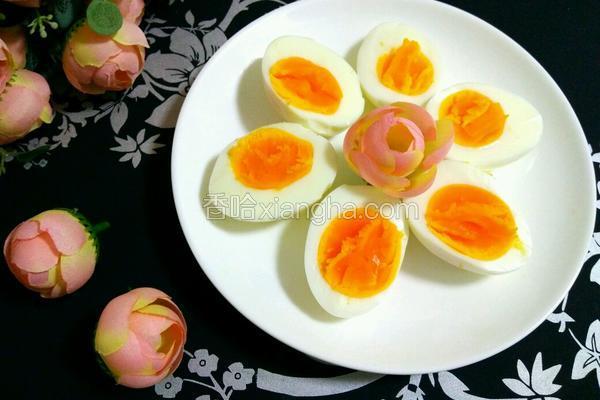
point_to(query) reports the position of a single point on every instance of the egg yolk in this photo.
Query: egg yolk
(306, 85)
(406, 69)
(270, 158)
(359, 253)
(478, 120)
(473, 221)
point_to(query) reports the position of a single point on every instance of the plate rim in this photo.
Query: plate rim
(465, 361)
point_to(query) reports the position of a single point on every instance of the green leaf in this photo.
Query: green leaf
(104, 17)
(64, 13)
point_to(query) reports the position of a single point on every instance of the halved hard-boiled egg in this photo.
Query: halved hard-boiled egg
(465, 221)
(273, 172)
(492, 127)
(354, 248)
(311, 85)
(396, 63)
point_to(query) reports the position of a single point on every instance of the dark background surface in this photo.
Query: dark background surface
(46, 346)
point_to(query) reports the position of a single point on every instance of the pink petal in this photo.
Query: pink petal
(78, 268)
(370, 172)
(42, 280)
(80, 77)
(30, 107)
(418, 115)
(90, 49)
(407, 162)
(130, 34)
(26, 230)
(374, 142)
(415, 132)
(420, 181)
(149, 327)
(67, 233)
(113, 325)
(436, 150)
(14, 37)
(129, 359)
(33, 255)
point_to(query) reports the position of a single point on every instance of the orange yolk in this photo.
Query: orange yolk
(359, 253)
(306, 85)
(477, 119)
(406, 69)
(270, 158)
(472, 221)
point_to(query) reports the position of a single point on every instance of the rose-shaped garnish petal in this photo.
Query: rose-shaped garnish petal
(397, 147)
(140, 337)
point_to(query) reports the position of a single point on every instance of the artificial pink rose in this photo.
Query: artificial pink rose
(14, 37)
(140, 337)
(397, 148)
(131, 10)
(6, 65)
(95, 64)
(29, 93)
(25, 3)
(52, 253)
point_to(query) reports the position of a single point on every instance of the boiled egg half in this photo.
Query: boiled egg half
(465, 221)
(492, 127)
(273, 172)
(397, 63)
(311, 85)
(354, 248)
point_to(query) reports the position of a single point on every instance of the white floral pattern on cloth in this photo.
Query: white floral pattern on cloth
(205, 365)
(164, 83)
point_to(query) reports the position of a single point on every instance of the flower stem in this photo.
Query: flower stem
(201, 384)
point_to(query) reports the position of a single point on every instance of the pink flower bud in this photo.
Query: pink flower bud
(6, 65)
(29, 93)
(140, 337)
(25, 3)
(52, 253)
(397, 148)
(14, 37)
(95, 64)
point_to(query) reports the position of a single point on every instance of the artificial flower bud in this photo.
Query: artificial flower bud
(397, 148)
(6, 65)
(25, 3)
(140, 337)
(29, 93)
(52, 253)
(95, 63)
(14, 37)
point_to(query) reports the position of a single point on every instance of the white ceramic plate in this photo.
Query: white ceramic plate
(438, 317)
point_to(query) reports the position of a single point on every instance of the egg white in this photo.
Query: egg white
(455, 172)
(522, 130)
(344, 196)
(352, 103)
(224, 189)
(381, 40)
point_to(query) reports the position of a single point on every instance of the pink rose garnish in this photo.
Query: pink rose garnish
(95, 64)
(29, 93)
(140, 337)
(6, 65)
(14, 37)
(52, 253)
(396, 148)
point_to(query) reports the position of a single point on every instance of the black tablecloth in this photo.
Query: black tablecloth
(110, 158)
